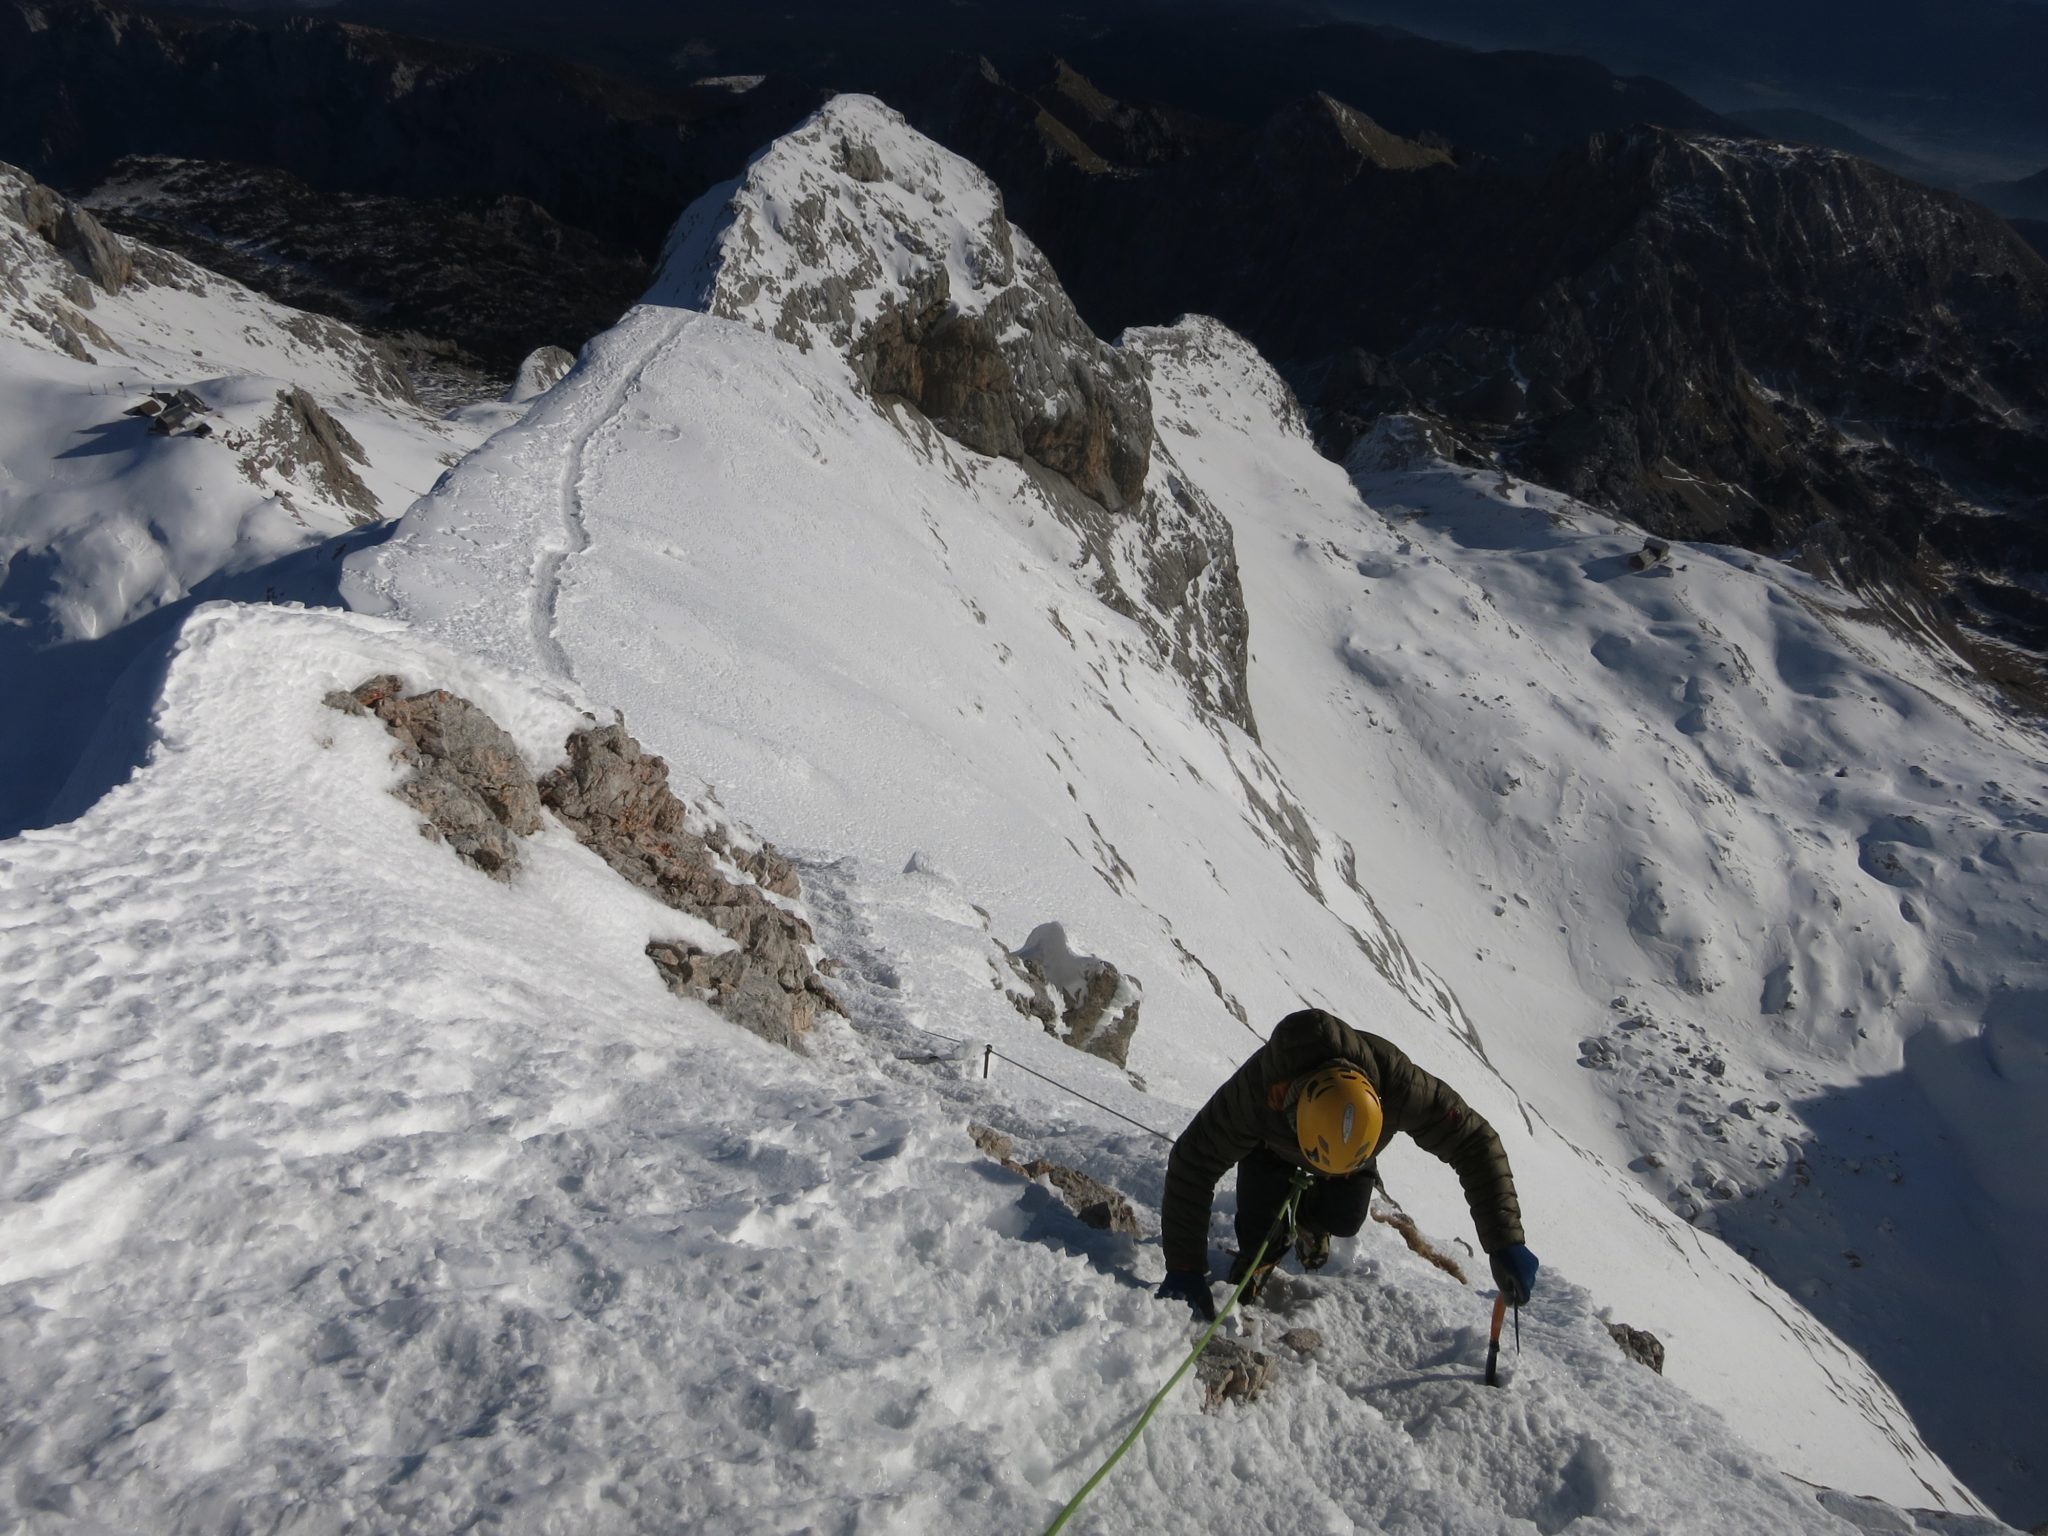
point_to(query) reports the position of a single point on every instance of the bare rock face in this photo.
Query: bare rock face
(984, 379)
(1087, 1197)
(301, 434)
(79, 237)
(1640, 1345)
(855, 234)
(617, 801)
(468, 778)
(1080, 999)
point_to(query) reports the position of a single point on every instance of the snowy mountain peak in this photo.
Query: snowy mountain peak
(856, 234)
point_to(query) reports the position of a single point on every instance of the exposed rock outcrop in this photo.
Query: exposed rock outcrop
(468, 779)
(1639, 1345)
(1087, 1197)
(302, 435)
(857, 235)
(1080, 999)
(477, 794)
(617, 800)
(79, 237)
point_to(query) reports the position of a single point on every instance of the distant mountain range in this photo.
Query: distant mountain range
(1958, 84)
(1584, 278)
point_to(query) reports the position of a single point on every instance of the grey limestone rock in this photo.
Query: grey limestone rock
(79, 237)
(1081, 999)
(1023, 378)
(1639, 1345)
(616, 799)
(468, 779)
(300, 433)
(855, 234)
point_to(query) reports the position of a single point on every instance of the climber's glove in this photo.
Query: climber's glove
(1192, 1287)
(1514, 1271)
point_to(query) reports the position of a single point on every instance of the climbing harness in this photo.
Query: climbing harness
(1299, 1183)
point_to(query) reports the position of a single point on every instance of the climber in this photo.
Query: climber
(1322, 1096)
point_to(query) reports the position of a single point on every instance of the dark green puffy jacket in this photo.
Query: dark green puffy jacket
(1250, 1111)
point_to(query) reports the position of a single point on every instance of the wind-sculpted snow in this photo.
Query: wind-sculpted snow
(338, 1181)
(1766, 875)
(344, 1187)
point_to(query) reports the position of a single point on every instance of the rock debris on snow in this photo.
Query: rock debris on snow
(1087, 1197)
(467, 778)
(1639, 1345)
(617, 800)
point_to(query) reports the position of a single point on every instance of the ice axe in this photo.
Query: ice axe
(1500, 1315)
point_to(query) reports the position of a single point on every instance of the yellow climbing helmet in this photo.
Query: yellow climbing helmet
(1337, 1118)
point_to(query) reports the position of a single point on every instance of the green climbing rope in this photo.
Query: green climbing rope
(1285, 1219)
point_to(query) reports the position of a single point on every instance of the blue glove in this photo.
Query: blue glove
(1192, 1287)
(1514, 1271)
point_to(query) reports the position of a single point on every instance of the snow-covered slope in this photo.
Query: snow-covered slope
(271, 430)
(1769, 874)
(391, 1197)
(892, 653)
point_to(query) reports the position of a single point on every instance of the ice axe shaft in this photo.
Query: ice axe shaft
(1500, 1314)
